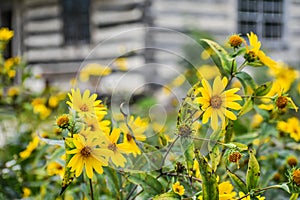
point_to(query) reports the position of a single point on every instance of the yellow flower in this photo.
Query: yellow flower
(178, 189)
(253, 51)
(282, 100)
(292, 126)
(93, 69)
(42, 110)
(137, 125)
(85, 105)
(215, 101)
(29, 149)
(11, 73)
(226, 191)
(54, 168)
(208, 72)
(13, 91)
(10, 62)
(26, 192)
(117, 158)
(257, 120)
(242, 195)
(284, 75)
(132, 147)
(88, 154)
(6, 34)
(122, 64)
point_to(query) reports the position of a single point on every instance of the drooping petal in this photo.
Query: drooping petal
(88, 167)
(233, 105)
(230, 115)
(214, 120)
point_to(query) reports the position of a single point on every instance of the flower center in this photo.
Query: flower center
(216, 101)
(112, 147)
(86, 151)
(281, 102)
(84, 108)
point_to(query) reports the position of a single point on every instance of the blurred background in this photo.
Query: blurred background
(58, 35)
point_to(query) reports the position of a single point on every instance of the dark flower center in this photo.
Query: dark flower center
(216, 101)
(86, 151)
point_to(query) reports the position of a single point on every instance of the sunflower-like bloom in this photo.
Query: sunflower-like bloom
(292, 127)
(117, 158)
(214, 101)
(138, 126)
(178, 189)
(253, 51)
(85, 105)
(88, 154)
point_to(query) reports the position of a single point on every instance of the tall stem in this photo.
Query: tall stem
(91, 189)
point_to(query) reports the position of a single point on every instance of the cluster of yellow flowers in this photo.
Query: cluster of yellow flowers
(92, 141)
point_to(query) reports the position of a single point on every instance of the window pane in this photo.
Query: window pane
(76, 21)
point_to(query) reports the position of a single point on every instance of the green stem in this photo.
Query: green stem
(243, 65)
(168, 151)
(91, 189)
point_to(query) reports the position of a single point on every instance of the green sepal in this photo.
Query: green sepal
(238, 182)
(253, 171)
(220, 56)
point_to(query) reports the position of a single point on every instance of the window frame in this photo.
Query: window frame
(260, 20)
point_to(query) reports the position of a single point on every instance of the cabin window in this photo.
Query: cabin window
(263, 17)
(76, 21)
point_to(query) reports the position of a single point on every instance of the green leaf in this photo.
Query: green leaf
(215, 157)
(189, 156)
(220, 56)
(238, 182)
(150, 184)
(113, 182)
(248, 106)
(209, 180)
(246, 80)
(168, 196)
(253, 171)
(263, 89)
